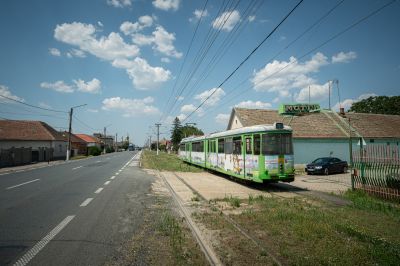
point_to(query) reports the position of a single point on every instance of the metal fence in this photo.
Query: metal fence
(376, 170)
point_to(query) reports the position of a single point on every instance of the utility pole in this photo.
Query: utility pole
(158, 135)
(69, 134)
(105, 138)
(70, 129)
(329, 87)
(116, 141)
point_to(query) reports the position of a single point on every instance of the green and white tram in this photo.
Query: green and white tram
(258, 153)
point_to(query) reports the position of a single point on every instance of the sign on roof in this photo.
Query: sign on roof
(298, 108)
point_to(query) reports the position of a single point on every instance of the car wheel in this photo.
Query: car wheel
(345, 169)
(326, 171)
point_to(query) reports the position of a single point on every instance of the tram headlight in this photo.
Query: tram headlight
(318, 167)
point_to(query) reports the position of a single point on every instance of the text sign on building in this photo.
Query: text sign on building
(294, 109)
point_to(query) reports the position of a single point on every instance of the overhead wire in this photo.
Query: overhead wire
(244, 60)
(323, 43)
(186, 54)
(33, 106)
(206, 45)
(224, 46)
(313, 25)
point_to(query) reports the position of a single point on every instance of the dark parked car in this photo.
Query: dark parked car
(327, 165)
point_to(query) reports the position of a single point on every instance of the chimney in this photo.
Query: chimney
(341, 112)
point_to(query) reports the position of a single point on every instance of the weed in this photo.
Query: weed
(251, 199)
(195, 198)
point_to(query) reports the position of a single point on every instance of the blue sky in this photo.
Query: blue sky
(123, 59)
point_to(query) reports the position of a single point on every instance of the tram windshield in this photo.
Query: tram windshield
(275, 144)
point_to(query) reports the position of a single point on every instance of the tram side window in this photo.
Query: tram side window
(270, 144)
(211, 146)
(248, 145)
(287, 145)
(221, 145)
(201, 146)
(228, 146)
(237, 145)
(257, 144)
(182, 147)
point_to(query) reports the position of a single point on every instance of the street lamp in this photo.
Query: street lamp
(69, 130)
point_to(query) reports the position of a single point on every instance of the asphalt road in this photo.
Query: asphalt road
(77, 213)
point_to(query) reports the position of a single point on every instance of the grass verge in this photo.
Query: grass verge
(302, 231)
(166, 162)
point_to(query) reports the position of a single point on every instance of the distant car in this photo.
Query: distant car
(326, 166)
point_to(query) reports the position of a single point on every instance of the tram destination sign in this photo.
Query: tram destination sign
(298, 108)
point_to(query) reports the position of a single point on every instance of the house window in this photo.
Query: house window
(371, 140)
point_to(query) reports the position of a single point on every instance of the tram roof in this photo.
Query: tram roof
(237, 131)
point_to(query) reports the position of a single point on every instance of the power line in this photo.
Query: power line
(317, 22)
(322, 44)
(34, 106)
(247, 58)
(186, 54)
(85, 124)
(205, 47)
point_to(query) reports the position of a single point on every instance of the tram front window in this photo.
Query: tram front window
(275, 144)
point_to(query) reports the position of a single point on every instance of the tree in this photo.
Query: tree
(190, 130)
(176, 133)
(378, 105)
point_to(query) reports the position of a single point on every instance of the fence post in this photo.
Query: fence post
(362, 161)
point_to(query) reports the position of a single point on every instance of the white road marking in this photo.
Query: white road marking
(117, 173)
(42, 243)
(23, 184)
(77, 167)
(19, 171)
(86, 202)
(107, 182)
(112, 177)
(98, 161)
(99, 190)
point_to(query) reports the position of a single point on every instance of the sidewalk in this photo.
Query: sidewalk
(21, 168)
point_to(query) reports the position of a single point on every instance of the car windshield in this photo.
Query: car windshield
(321, 160)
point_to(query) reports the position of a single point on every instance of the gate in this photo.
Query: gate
(376, 170)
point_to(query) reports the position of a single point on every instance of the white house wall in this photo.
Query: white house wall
(60, 149)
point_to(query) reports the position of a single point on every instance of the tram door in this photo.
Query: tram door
(248, 157)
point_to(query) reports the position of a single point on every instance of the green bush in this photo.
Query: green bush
(109, 150)
(94, 151)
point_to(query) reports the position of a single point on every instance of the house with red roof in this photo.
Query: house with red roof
(23, 141)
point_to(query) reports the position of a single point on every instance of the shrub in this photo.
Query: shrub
(94, 151)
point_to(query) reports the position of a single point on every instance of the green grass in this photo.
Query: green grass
(166, 162)
(309, 231)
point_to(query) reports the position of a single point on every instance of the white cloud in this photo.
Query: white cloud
(181, 117)
(347, 103)
(92, 110)
(58, 86)
(188, 108)
(93, 86)
(256, 105)
(180, 98)
(145, 77)
(275, 100)
(166, 4)
(217, 94)
(198, 13)
(317, 93)
(222, 119)
(161, 39)
(283, 76)
(129, 28)
(343, 57)
(251, 18)
(227, 20)
(119, 3)
(5, 91)
(76, 53)
(100, 24)
(54, 51)
(131, 107)
(165, 60)
(83, 36)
